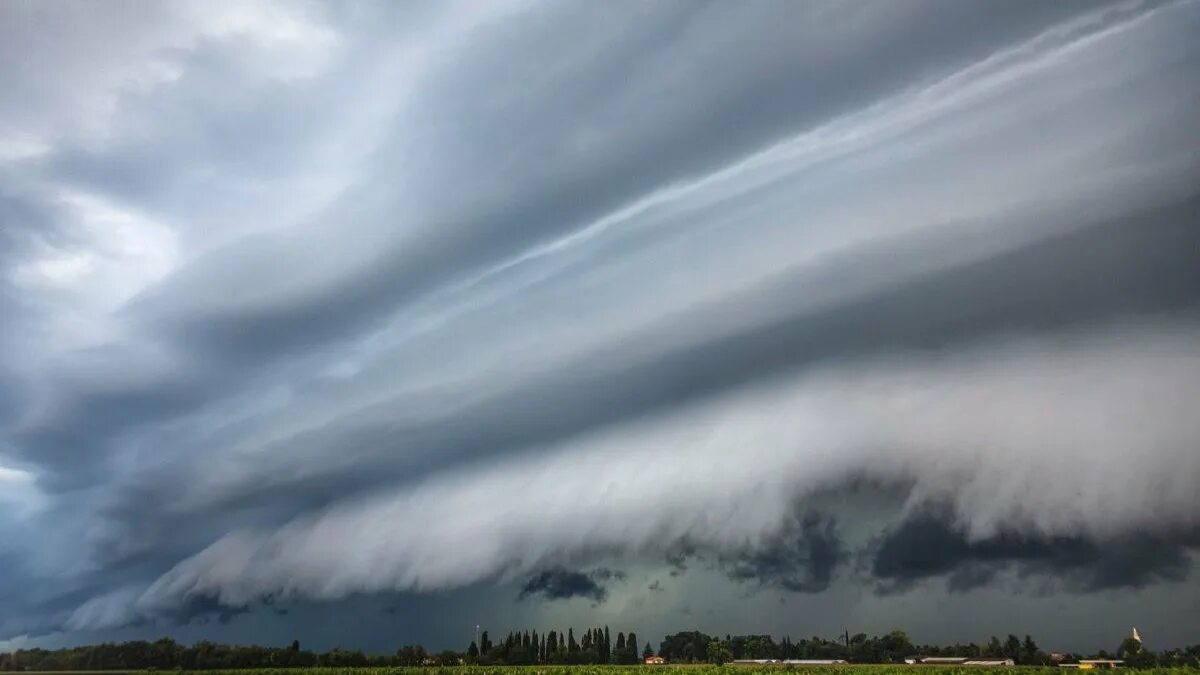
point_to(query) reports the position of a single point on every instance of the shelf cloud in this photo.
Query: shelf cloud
(312, 303)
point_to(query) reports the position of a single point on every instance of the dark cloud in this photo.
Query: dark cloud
(678, 555)
(801, 557)
(1140, 265)
(550, 191)
(929, 545)
(562, 584)
(314, 294)
(202, 609)
(233, 342)
(606, 574)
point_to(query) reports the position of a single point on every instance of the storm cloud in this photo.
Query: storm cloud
(928, 545)
(800, 557)
(311, 303)
(561, 584)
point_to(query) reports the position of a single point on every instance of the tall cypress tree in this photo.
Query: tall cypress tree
(572, 646)
(632, 643)
(606, 651)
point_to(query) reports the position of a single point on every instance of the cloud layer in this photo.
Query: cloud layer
(305, 301)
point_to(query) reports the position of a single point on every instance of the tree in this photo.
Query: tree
(718, 653)
(896, 646)
(1129, 647)
(572, 646)
(1031, 655)
(684, 646)
(1012, 647)
(473, 650)
(1135, 655)
(647, 652)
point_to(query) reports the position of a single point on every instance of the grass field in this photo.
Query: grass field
(698, 669)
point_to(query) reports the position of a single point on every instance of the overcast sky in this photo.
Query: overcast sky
(364, 323)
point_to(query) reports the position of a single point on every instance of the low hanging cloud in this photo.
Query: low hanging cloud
(562, 584)
(929, 545)
(1026, 436)
(801, 557)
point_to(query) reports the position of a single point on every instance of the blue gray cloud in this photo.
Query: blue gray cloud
(301, 301)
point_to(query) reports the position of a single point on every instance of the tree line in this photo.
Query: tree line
(593, 646)
(895, 647)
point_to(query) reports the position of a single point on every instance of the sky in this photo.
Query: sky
(367, 323)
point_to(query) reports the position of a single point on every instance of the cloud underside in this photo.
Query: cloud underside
(560, 584)
(967, 432)
(928, 545)
(423, 298)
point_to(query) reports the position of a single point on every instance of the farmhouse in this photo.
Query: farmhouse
(655, 660)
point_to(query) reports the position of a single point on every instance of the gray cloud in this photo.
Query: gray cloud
(920, 423)
(801, 557)
(562, 584)
(929, 545)
(407, 265)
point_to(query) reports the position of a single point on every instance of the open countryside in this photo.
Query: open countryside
(597, 652)
(543, 337)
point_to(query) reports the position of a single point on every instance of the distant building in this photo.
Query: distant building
(1094, 664)
(790, 662)
(957, 661)
(655, 660)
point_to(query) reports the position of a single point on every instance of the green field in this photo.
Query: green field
(698, 669)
